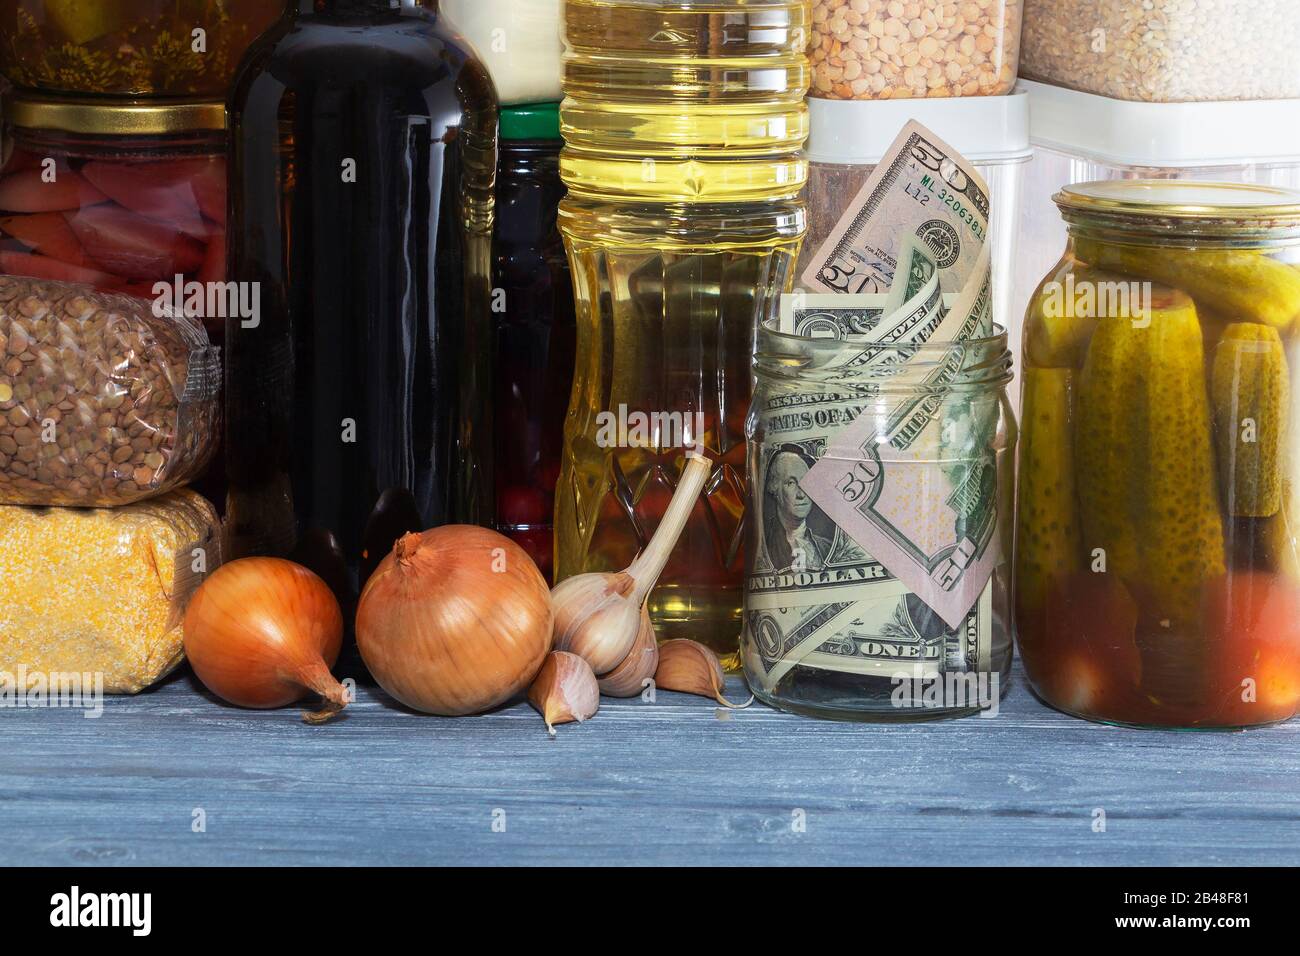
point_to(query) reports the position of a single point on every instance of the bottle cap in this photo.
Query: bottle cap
(531, 121)
(112, 117)
(1182, 208)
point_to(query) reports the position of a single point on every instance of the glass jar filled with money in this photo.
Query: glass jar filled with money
(880, 475)
(881, 444)
(1158, 530)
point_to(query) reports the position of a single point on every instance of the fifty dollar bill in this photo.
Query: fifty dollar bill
(922, 188)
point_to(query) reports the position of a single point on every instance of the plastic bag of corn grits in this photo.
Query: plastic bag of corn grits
(102, 591)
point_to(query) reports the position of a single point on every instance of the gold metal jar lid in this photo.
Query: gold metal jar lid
(1183, 208)
(112, 117)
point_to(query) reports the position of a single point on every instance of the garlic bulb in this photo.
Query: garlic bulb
(596, 618)
(602, 617)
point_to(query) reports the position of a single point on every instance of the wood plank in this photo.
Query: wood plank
(667, 782)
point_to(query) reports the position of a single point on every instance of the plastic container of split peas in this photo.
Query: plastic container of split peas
(904, 49)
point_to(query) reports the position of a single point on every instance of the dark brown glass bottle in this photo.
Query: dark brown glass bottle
(362, 160)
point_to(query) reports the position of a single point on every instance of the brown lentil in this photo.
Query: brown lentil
(97, 380)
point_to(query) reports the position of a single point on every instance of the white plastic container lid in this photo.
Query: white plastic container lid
(1124, 133)
(984, 129)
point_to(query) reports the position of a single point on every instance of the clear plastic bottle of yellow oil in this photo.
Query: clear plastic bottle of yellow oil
(683, 123)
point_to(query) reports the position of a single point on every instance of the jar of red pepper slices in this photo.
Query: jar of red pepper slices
(119, 195)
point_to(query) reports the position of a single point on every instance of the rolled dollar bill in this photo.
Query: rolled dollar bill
(922, 188)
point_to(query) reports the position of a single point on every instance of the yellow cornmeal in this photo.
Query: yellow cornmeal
(101, 590)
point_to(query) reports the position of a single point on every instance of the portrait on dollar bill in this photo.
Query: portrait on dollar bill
(796, 532)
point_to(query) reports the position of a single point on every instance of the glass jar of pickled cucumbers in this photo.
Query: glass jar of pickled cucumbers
(1157, 560)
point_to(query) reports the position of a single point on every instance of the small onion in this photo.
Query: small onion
(264, 632)
(455, 620)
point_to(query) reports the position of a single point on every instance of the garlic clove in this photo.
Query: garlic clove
(564, 690)
(629, 677)
(595, 619)
(691, 668)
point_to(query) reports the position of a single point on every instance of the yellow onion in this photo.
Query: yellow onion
(264, 632)
(455, 620)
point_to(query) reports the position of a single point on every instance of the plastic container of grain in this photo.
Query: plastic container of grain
(904, 49)
(518, 40)
(847, 139)
(1081, 137)
(1165, 51)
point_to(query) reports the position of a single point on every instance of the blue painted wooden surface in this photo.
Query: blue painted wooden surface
(667, 782)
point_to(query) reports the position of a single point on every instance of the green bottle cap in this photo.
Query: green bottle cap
(531, 121)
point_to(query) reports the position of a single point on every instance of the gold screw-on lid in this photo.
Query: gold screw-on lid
(113, 117)
(1174, 206)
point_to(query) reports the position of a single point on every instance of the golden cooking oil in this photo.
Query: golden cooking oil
(683, 124)
(685, 101)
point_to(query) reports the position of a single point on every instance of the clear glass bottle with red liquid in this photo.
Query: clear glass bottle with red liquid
(534, 328)
(363, 156)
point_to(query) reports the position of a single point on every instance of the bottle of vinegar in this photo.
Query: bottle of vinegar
(362, 160)
(683, 123)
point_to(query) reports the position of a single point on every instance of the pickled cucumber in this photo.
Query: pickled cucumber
(1250, 386)
(1241, 283)
(1181, 527)
(1048, 543)
(1282, 530)
(1064, 311)
(1147, 487)
(1282, 536)
(1107, 435)
(82, 21)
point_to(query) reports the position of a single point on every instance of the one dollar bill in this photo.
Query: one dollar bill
(878, 631)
